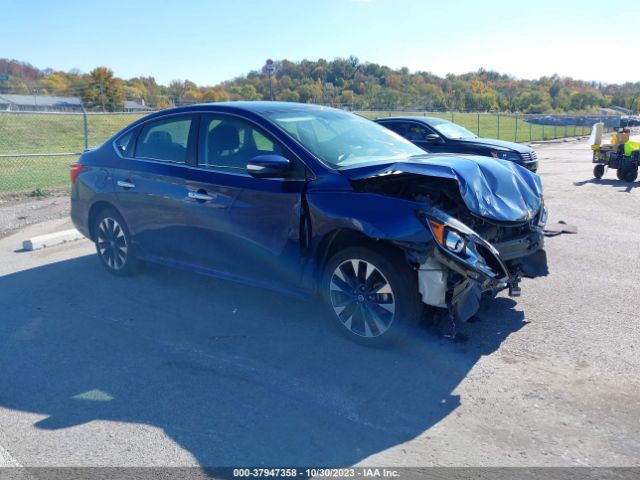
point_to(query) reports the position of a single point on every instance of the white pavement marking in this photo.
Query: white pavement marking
(52, 239)
(7, 460)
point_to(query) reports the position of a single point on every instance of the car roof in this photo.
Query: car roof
(259, 107)
(428, 120)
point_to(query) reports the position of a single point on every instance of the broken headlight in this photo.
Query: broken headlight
(463, 244)
(448, 237)
(544, 213)
(451, 234)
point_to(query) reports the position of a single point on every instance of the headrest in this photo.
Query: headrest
(224, 137)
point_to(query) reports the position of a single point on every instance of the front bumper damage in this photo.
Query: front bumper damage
(456, 282)
(485, 218)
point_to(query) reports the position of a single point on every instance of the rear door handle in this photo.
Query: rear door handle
(125, 184)
(203, 197)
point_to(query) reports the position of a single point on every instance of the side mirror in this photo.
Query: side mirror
(269, 166)
(433, 138)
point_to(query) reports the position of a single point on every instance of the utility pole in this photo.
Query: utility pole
(102, 94)
(270, 68)
(35, 97)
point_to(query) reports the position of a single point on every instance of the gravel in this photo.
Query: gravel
(18, 214)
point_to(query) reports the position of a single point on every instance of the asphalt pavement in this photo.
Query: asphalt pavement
(174, 369)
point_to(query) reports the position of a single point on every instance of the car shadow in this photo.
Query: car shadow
(232, 374)
(613, 183)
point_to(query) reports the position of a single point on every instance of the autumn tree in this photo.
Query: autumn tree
(103, 91)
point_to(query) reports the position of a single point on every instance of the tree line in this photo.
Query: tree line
(342, 81)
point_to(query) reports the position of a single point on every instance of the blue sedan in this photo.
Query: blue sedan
(312, 200)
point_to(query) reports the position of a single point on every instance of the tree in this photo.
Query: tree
(215, 95)
(286, 95)
(178, 91)
(57, 83)
(103, 91)
(310, 92)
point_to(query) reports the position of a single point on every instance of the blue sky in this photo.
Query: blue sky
(215, 40)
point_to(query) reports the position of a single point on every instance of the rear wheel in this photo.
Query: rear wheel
(620, 172)
(113, 243)
(372, 294)
(598, 171)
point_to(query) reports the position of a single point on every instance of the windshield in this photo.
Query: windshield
(452, 130)
(343, 139)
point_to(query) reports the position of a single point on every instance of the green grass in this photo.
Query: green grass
(503, 127)
(30, 174)
(22, 133)
(56, 133)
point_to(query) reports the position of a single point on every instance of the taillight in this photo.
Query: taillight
(74, 171)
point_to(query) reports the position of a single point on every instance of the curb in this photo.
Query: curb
(51, 239)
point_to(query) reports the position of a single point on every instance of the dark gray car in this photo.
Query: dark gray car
(438, 135)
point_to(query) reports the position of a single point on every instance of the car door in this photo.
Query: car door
(416, 133)
(150, 186)
(244, 226)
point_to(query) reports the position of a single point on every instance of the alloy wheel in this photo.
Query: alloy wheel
(112, 243)
(362, 298)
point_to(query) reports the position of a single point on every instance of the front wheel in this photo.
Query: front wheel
(598, 170)
(372, 294)
(113, 243)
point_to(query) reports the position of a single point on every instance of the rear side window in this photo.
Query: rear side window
(399, 128)
(165, 140)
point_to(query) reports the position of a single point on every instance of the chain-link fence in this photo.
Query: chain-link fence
(36, 148)
(513, 127)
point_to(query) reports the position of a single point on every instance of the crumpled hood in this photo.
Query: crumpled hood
(491, 188)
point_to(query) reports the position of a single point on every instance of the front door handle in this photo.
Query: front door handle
(202, 197)
(125, 184)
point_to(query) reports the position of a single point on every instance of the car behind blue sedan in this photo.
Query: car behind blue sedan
(312, 200)
(437, 135)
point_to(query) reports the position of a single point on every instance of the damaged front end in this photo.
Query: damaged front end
(486, 220)
(463, 265)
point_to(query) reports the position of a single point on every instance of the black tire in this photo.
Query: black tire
(620, 173)
(372, 295)
(598, 171)
(113, 243)
(631, 174)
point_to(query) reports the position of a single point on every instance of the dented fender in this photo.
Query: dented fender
(377, 216)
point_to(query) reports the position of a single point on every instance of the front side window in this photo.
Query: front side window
(227, 144)
(341, 139)
(416, 133)
(164, 140)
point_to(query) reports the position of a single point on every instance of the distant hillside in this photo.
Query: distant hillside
(347, 82)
